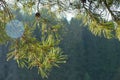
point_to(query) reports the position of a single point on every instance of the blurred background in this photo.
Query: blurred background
(89, 58)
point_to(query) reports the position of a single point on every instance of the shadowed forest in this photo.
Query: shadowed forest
(89, 57)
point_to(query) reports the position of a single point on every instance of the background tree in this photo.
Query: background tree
(89, 57)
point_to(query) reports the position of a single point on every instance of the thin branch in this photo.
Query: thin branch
(108, 8)
(38, 5)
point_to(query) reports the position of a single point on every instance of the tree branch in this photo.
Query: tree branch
(108, 8)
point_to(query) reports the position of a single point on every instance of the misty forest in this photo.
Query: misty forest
(59, 39)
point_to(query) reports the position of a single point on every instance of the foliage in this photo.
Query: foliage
(101, 13)
(29, 51)
(97, 14)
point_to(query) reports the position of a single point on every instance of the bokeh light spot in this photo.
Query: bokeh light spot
(14, 29)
